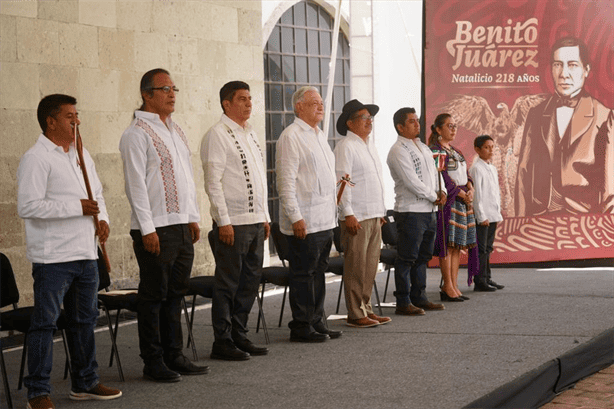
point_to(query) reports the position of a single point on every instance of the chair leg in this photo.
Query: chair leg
(339, 297)
(260, 311)
(387, 279)
(192, 316)
(189, 325)
(379, 304)
(264, 327)
(5, 381)
(114, 337)
(114, 350)
(23, 361)
(67, 367)
(283, 302)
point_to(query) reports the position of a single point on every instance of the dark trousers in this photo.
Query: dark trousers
(237, 277)
(163, 283)
(416, 241)
(308, 262)
(486, 238)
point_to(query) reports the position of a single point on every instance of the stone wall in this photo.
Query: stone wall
(97, 51)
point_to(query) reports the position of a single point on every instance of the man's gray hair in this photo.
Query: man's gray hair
(300, 93)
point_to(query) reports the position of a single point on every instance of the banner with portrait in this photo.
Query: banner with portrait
(538, 77)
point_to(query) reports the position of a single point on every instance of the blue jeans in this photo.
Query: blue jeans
(74, 283)
(416, 241)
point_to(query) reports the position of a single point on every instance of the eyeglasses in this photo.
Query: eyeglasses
(166, 89)
(365, 117)
(452, 126)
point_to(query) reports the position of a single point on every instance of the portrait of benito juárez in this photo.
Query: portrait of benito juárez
(566, 160)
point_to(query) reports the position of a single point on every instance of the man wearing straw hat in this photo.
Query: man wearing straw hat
(361, 211)
(306, 185)
(417, 196)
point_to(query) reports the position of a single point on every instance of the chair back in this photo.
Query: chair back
(280, 242)
(337, 239)
(9, 293)
(104, 279)
(389, 232)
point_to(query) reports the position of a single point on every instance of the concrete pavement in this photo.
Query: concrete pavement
(444, 359)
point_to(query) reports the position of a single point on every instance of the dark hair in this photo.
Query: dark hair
(400, 116)
(439, 121)
(572, 42)
(51, 105)
(147, 83)
(479, 141)
(227, 93)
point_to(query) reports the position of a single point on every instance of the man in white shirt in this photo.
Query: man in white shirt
(306, 185)
(61, 244)
(361, 211)
(164, 225)
(235, 180)
(417, 195)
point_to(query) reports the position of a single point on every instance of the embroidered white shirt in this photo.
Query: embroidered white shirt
(487, 197)
(414, 173)
(360, 160)
(158, 173)
(50, 189)
(235, 177)
(305, 179)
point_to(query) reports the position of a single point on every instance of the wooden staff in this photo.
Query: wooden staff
(90, 196)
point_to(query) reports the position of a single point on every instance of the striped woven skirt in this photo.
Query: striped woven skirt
(461, 228)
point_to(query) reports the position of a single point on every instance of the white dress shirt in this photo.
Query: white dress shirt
(158, 173)
(305, 179)
(360, 160)
(487, 198)
(414, 173)
(235, 177)
(50, 189)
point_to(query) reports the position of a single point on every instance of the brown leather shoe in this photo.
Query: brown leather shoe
(381, 320)
(364, 322)
(431, 306)
(40, 402)
(409, 310)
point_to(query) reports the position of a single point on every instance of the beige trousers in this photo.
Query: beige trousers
(361, 257)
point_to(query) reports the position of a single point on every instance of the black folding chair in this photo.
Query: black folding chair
(276, 275)
(389, 251)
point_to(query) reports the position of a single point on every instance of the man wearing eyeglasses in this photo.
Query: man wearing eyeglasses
(164, 225)
(361, 211)
(235, 181)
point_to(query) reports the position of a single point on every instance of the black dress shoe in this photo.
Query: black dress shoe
(246, 345)
(308, 337)
(464, 297)
(497, 286)
(332, 334)
(183, 365)
(227, 351)
(446, 297)
(483, 287)
(159, 372)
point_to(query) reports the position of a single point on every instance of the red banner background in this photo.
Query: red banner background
(517, 66)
